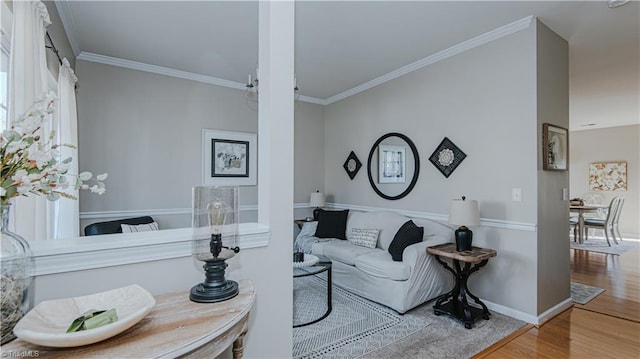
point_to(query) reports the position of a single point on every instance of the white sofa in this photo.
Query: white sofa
(371, 272)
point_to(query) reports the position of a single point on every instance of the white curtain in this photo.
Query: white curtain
(66, 222)
(28, 82)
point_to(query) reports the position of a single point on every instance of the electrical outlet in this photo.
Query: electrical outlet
(516, 194)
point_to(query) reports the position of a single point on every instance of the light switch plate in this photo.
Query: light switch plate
(516, 194)
(565, 194)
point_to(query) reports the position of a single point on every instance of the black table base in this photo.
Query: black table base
(455, 303)
(326, 267)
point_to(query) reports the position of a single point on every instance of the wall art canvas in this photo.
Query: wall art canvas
(608, 176)
(229, 158)
(391, 164)
(555, 147)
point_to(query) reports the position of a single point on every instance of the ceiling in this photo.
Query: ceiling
(340, 46)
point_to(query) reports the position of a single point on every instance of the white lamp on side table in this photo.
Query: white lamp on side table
(464, 213)
(317, 201)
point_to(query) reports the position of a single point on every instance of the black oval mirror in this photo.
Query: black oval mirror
(395, 165)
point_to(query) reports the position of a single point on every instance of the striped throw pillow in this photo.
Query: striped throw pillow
(130, 228)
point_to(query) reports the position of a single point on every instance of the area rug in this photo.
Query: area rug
(600, 245)
(355, 326)
(358, 328)
(583, 294)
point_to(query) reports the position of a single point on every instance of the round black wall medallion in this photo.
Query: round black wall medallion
(416, 171)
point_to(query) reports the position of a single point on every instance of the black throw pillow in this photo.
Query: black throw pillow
(332, 224)
(407, 235)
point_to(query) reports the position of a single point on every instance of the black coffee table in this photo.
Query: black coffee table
(323, 265)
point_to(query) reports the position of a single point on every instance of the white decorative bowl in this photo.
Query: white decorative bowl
(47, 323)
(309, 260)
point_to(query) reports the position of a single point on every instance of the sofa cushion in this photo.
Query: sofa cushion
(345, 252)
(381, 265)
(363, 237)
(407, 235)
(332, 224)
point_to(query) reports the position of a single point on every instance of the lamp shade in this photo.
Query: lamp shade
(317, 199)
(464, 212)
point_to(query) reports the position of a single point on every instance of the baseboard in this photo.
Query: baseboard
(532, 319)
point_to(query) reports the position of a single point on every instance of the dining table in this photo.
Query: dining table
(581, 210)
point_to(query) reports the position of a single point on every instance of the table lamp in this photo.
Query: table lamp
(317, 201)
(215, 234)
(464, 213)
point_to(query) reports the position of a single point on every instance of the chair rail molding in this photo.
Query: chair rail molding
(82, 253)
(487, 222)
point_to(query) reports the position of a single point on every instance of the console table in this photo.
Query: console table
(175, 327)
(454, 303)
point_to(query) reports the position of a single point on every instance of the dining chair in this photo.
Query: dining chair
(607, 223)
(595, 199)
(617, 218)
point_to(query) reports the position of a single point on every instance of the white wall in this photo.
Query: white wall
(484, 100)
(609, 144)
(552, 56)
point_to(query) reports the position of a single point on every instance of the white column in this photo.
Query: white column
(270, 332)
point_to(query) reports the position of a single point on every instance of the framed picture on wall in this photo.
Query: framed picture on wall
(608, 176)
(229, 158)
(391, 164)
(555, 147)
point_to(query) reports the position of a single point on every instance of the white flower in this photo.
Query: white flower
(31, 162)
(85, 176)
(102, 177)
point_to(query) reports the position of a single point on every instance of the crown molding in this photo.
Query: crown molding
(69, 25)
(160, 70)
(439, 56)
(141, 66)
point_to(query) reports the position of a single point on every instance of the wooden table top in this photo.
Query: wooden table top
(174, 327)
(474, 255)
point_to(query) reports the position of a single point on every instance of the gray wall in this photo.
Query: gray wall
(609, 144)
(144, 130)
(552, 53)
(484, 100)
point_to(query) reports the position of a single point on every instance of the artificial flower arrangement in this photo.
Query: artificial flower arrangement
(31, 163)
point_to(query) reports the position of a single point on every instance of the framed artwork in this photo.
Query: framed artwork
(391, 164)
(447, 157)
(352, 165)
(555, 147)
(229, 158)
(608, 176)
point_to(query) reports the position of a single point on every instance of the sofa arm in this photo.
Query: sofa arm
(417, 253)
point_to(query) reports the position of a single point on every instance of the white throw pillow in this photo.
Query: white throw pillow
(130, 228)
(363, 237)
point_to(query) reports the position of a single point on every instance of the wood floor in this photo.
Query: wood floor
(606, 327)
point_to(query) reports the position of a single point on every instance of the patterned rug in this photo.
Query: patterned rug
(600, 245)
(355, 326)
(358, 328)
(583, 294)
